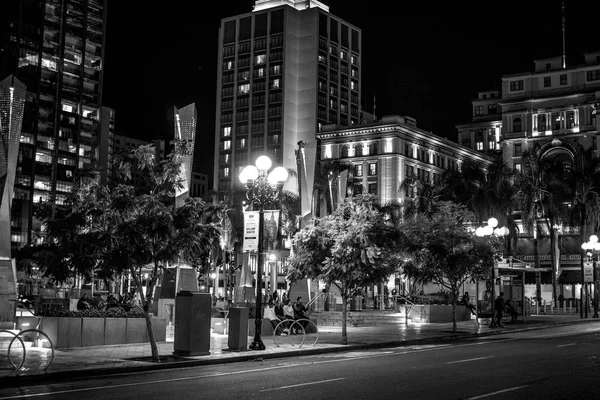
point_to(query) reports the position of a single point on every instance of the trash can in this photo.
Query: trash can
(192, 324)
(237, 338)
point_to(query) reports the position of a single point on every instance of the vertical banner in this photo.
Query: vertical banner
(271, 231)
(588, 272)
(251, 221)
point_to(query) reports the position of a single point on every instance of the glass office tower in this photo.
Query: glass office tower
(56, 48)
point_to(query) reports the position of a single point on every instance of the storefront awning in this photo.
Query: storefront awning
(570, 277)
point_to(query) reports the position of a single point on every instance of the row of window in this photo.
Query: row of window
(479, 110)
(372, 171)
(593, 75)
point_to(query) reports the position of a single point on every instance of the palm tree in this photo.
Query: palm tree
(327, 172)
(584, 177)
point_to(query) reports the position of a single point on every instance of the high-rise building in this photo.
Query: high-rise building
(56, 49)
(106, 144)
(284, 70)
(12, 105)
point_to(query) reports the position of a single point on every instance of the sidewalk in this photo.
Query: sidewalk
(88, 361)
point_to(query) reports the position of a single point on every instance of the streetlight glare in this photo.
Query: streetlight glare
(493, 222)
(263, 163)
(278, 175)
(593, 239)
(249, 173)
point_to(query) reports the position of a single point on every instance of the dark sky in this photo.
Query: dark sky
(423, 59)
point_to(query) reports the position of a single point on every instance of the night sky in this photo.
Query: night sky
(423, 59)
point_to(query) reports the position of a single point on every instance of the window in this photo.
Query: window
(358, 150)
(516, 85)
(479, 146)
(492, 144)
(556, 121)
(593, 75)
(353, 85)
(244, 75)
(353, 60)
(228, 65)
(372, 169)
(563, 79)
(227, 145)
(518, 167)
(275, 83)
(547, 81)
(226, 131)
(260, 59)
(244, 89)
(548, 66)
(517, 150)
(372, 188)
(541, 122)
(492, 108)
(276, 69)
(259, 72)
(478, 110)
(358, 170)
(571, 119)
(517, 127)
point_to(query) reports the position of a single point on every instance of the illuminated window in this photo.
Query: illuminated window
(260, 59)
(43, 158)
(358, 170)
(353, 85)
(227, 145)
(518, 167)
(276, 69)
(260, 72)
(226, 131)
(228, 65)
(372, 169)
(244, 89)
(69, 173)
(343, 55)
(492, 145)
(226, 172)
(479, 146)
(244, 75)
(275, 83)
(322, 58)
(353, 60)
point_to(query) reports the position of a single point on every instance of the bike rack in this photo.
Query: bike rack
(294, 322)
(16, 337)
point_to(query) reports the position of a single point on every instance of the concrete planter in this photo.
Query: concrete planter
(136, 330)
(438, 313)
(92, 332)
(115, 330)
(68, 332)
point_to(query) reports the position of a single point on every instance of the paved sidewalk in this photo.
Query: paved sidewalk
(88, 361)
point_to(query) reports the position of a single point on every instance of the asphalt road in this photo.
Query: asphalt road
(557, 363)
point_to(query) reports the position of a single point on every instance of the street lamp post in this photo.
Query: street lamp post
(263, 188)
(492, 230)
(592, 249)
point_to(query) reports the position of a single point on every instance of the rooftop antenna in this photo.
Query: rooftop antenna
(564, 55)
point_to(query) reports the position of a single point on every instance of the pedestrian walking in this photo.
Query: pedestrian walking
(499, 308)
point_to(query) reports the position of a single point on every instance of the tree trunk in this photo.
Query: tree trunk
(344, 318)
(146, 308)
(454, 296)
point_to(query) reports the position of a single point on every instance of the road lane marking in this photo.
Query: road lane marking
(303, 384)
(498, 392)
(343, 359)
(468, 360)
(565, 345)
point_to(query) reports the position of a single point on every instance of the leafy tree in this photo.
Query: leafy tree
(441, 248)
(350, 248)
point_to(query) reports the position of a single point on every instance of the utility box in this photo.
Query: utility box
(192, 324)
(238, 328)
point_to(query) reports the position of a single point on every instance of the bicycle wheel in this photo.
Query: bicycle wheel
(281, 324)
(304, 331)
(38, 345)
(10, 359)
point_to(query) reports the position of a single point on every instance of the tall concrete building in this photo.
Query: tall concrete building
(56, 48)
(12, 105)
(284, 70)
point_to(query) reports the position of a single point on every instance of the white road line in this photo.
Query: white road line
(498, 392)
(303, 384)
(565, 345)
(468, 360)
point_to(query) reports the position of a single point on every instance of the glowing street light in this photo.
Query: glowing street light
(263, 187)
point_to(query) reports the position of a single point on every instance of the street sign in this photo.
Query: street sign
(588, 272)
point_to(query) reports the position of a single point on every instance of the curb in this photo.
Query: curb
(43, 377)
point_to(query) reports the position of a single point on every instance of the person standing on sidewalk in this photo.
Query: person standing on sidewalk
(499, 307)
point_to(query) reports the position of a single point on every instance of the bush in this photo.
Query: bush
(115, 312)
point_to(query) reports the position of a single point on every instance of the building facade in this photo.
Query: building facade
(56, 48)
(385, 152)
(284, 70)
(199, 187)
(552, 113)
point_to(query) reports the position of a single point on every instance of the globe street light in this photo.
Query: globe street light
(491, 229)
(592, 249)
(263, 188)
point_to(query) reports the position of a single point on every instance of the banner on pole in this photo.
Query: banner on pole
(271, 231)
(251, 221)
(588, 272)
